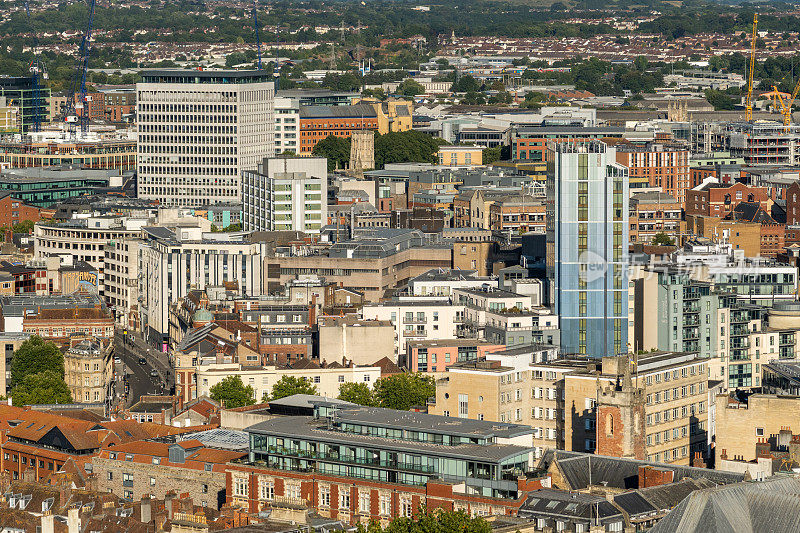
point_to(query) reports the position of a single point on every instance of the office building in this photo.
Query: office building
(287, 125)
(587, 247)
(198, 130)
(286, 193)
(45, 187)
(99, 153)
(20, 90)
(89, 369)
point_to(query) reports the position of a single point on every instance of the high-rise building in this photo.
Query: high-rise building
(587, 247)
(198, 130)
(20, 92)
(286, 193)
(287, 125)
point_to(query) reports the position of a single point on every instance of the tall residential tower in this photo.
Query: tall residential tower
(587, 247)
(198, 130)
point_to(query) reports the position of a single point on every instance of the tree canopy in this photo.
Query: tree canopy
(429, 521)
(34, 356)
(404, 147)
(357, 392)
(42, 388)
(402, 391)
(410, 87)
(232, 393)
(290, 385)
(662, 239)
(336, 149)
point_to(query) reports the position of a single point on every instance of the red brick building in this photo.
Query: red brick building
(318, 122)
(656, 164)
(718, 200)
(13, 211)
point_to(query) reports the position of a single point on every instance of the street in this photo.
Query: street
(139, 380)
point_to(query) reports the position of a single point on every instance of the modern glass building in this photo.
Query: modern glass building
(587, 247)
(390, 446)
(20, 91)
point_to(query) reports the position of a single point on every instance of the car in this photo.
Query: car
(117, 360)
(154, 373)
(142, 361)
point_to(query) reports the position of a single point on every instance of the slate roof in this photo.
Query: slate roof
(578, 468)
(568, 505)
(356, 111)
(771, 506)
(750, 212)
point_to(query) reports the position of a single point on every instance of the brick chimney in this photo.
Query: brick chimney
(650, 476)
(697, 460)
(724, 454)
(763, 448)
(169, 504)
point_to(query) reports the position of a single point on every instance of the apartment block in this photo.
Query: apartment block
(656, 164)
(287, 125)
(529, 143)
(198, 130)
(286, 194)
(89, 369)
(655, 212)
(319, 121)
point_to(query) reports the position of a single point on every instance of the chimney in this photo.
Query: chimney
(724, 454)
(48, 522)
(146, 510)
(73, 521)
(763, 448)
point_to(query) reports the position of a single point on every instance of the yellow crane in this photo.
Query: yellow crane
(748, 105)
(785, 102)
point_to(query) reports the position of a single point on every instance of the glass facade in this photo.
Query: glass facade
(587, 247)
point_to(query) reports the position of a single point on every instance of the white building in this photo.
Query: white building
(286, 193)
(287, 125)
(174, 260)
(198, 130)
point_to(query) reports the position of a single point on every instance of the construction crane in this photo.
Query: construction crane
(785, 103)
(76, 111)
(258, 38)
(37, 70)
(748, 106)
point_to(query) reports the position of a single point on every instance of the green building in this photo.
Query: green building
(19, 90)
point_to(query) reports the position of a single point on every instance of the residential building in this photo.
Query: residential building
(518, 214)
(13, 211)
(441, 282)
(374, 262)
(287, 125)
(477, 466)
(439, 355)
(197, 132)
(763, 142)
(460, 156)
(657, 164)
(121, 280)
(529, 143)
(89, 369)
(175, 260)
(195, 462)
(348, 339)
(655, 212)
(11, 342)
(286, 194)
(587, 247)
(714, 199)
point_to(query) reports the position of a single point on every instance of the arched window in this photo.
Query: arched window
(609, 424)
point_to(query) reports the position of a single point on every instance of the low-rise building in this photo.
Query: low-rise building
(348, 339)
(89, 369)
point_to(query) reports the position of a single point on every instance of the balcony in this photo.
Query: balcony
(415, 320)
(390, 465)
(415, 333)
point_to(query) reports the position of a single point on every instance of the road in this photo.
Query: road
(140, 382)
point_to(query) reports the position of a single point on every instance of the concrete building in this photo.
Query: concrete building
(46, 187)
(460, 156)
(655, 212)
(89, 370)
(20, 89)
(530, 143)
(11, 342)
(587, 247)
(95, 153)
(439, 355)
(121, 280)
(178, 259)
(287, 125)
(763, 142)
(198, 130)
(286, 194)
(362, 342)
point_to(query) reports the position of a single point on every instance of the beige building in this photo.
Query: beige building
(89, 369)
(11, 342)
(361, 341)
(121, 277)
(740, 425)
(460, 156)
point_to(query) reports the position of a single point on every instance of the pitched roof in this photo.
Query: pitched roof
(749, 507)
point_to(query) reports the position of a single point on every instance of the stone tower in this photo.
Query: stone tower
(678, 110)
(620, 414)
(362, 150)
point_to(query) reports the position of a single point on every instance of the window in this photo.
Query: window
(463, 406)
(204, 489)
(325, 496)
(364, 502)
(266, 490)
(240, 487)
(152, 481)
(385, 505)
(344, 498)
(110, 475)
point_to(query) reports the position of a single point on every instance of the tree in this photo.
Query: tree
(404, 147)
(43, 387)
(232, 393)
(720, 100)
(465, 84)
(36, 355)
(410, 87)
(402, 391)
(336, 149)
(26, 226)
(662, 239)
(357, 392)
(290, 385)
(426, 521)
(490, 155)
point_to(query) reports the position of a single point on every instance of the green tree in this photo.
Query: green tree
(402, 391)
(720, 100)
(232, 393)
(336, 149)
(404, 147)
(490, 155)
(34, 356)
(26, 226)
(44, 387)
(357, 392)
(466, 84)
(428, 521)
(410, 87)
(290, 385)
(662, 239)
